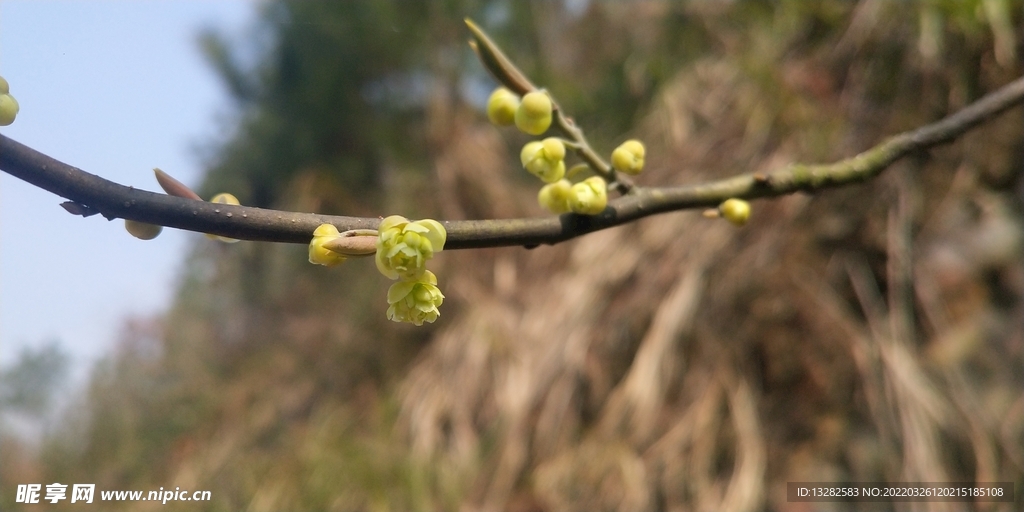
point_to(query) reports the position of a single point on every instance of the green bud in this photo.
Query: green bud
(629, 157)
(736, 211)
(320, 255)
(415, 301)
(589, 197)
(544, 159)
(142, 230)
(8, 109)
(4, 87)
(554, 148)
(534, 113)
(403, 247)
(555, 196)
(502, 106)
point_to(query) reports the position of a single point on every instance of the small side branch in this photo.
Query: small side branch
(114, 200)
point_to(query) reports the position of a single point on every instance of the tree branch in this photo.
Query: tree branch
(114, 200)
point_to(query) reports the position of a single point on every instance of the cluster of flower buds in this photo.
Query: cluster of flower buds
(401, 248)
(8, 105)
(545, 159)
(532, 114)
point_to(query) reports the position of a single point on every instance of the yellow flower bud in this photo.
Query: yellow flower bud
(554, 148)
(502, 106)
(629, 157)
(8, 109)
(555, 196)
(589, 197)
(534, 113)
(320, 255)
(4, 86)
(141, 230)
(416, 301)
(403, 247)
(224, 198)
(544, 159)
(736, 211)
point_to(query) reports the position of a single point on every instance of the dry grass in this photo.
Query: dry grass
(681, 364)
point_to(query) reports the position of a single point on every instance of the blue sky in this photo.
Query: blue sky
(115, 88)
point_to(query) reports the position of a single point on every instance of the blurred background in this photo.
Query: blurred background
(143, 96)
(870, 333)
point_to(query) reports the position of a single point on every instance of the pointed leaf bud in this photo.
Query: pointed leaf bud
(355, 242)
(174, 187)
(500, 67)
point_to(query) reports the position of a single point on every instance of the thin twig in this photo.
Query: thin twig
(247, 223)
(617, 181)
(509, 75)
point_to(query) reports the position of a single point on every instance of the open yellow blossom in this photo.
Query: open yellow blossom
(416, 301)
(404, 246)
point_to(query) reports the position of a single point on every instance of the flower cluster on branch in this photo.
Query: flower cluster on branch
(401, 247)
